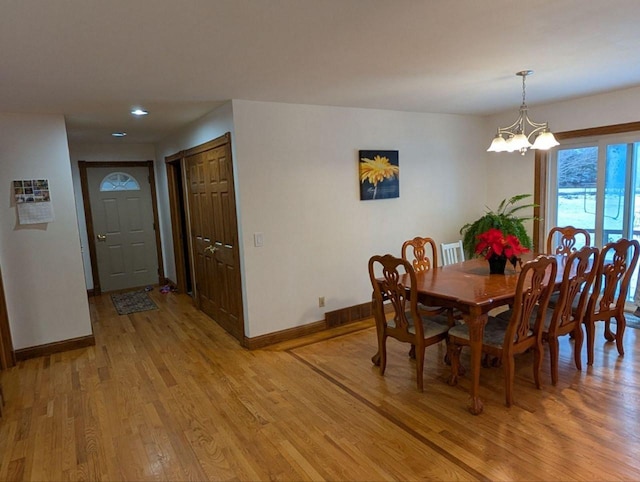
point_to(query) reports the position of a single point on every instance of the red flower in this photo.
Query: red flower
(493, 243)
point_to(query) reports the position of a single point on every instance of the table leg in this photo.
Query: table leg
(476, 324)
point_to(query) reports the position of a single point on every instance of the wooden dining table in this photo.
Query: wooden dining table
(469, 288)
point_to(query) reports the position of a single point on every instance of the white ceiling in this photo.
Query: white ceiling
(93, 60)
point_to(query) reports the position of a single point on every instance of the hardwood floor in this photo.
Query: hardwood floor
(168, 395)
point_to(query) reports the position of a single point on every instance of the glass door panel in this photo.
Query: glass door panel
(615, 201)
(635, 209)
(597, 187)
(576, 188)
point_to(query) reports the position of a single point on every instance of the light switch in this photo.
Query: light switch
(258, 240)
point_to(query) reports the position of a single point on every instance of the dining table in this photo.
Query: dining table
(469, 288)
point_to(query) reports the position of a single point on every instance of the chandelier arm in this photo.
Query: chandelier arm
(538, 127)
(534, 124)
(511, 129)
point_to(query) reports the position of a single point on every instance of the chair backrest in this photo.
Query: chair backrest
(533, 290)
(452, 253)
(415, 251)
(385, 273)
(569, 236)
(579, 273)
(615, 267)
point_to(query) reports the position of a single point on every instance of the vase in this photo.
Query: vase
(497, 264)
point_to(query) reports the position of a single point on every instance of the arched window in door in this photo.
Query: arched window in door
(119, 181)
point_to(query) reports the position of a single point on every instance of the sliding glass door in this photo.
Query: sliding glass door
(594, 185)
(574, 188)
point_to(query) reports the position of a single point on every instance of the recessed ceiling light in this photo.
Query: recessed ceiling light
(119, 134)
(139, 112)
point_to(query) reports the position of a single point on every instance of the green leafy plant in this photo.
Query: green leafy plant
(504, 218)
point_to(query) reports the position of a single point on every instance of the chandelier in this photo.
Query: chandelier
(515, 138)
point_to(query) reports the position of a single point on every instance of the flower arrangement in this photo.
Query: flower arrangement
(506, 218)
(494, 244)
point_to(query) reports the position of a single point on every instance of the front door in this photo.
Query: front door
(123, 225)
(214, 234)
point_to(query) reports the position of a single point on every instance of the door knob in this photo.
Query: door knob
(211, 248)
(101, 238)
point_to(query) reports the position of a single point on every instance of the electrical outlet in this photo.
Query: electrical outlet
(321, 302)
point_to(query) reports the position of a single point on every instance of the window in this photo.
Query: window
(594, 183)
(119, 181)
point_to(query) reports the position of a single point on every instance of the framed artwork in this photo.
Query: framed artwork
(379, 175)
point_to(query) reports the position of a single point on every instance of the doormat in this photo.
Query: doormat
(132, 302)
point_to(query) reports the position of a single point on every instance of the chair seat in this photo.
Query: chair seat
(506, 316)
(432, 325)
(494, 331)
(553, 301)
(435, 310)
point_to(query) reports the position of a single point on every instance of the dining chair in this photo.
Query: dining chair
(615, 267)
(406, 324)
(567, 238)
(567, 316)
(452, 253)
(417, 251)
(504, 339)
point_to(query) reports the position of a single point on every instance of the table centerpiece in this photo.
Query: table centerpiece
(498, 248)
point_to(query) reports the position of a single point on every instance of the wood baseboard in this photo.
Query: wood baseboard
(349, 314)
(343, 316)
(284, 335)
(55, 347)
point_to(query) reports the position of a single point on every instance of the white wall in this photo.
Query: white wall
(41, 264)
(514, 174)
(297, 171)
(95, 153)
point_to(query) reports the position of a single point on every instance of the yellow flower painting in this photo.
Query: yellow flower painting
(379, 175)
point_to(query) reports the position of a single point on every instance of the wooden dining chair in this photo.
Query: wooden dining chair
(567, 238)
(567, 316)
(406, 323)
(418, 251)
(615, 267)
(504, 339)
(452, 253)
